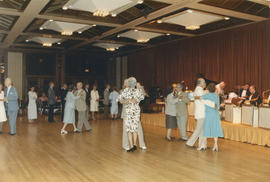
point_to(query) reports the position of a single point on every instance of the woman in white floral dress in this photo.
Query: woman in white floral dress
(132, 111)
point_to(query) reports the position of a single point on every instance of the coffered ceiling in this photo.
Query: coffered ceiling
(98, 25)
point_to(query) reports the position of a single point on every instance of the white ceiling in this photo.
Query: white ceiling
(107, 45)
(64, 26)
(94, 5)
(45, 40)
(140, 35)
(193, 18)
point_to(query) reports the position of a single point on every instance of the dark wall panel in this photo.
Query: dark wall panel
(237, 56)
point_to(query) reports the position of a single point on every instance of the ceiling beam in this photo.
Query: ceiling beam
(224, 12)
(57, 17)
(63, 37)
(29, 14)
(171, 8)
(37, 50)
(35, 46)
(123, 43)
(163, 31)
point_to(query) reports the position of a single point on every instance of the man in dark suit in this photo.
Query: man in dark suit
(63, 94)
(87, 99)
(106, 101)
(254, 98)
(244, 92)
(51, 102)
(11, 100)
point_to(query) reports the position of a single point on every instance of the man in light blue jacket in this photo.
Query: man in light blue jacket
(11, 100)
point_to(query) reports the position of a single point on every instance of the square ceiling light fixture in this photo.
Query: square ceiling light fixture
(47, 42)
(65, 28)
(101, 8)
(192, 19)
(140, 36)
(108, 46)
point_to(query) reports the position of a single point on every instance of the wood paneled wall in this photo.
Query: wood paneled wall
(237, 56)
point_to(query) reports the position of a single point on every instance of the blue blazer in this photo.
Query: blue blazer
(12, 103)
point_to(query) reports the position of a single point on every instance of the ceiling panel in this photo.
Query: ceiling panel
(7, 21)
(14, 4)
(243, 6)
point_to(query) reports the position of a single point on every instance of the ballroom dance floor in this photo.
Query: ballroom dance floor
(39, 153)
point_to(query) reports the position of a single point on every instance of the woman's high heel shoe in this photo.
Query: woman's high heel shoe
(64, 132)
(215, 148)
(201, 148)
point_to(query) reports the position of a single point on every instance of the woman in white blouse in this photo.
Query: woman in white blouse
(32, 106)
(3, 117)
(94, 101)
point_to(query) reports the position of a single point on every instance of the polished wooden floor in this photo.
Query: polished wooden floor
(39, 153)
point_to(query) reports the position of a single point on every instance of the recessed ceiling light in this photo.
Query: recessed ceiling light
(68, 33)
(159, 21)
(94, 25)
(140, 1)
(136, 30)
(111, 49)
(58, 43)
(64, 8)
(189, 11)
(79, 32)
(41, 28)
(118, 36)
(168, 34)
(114, 14)
(26, 40)
(101, 13)
(51, 20)
(142, 40)
(47, 44)
(193, 27)
(226, 18)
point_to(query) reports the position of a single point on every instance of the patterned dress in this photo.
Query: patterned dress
(132, 111)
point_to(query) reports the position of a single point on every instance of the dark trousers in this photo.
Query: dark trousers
(51, 113)
(63, 110)
(106, 111)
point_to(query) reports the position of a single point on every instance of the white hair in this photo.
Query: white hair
(9, 80)
(132, 82)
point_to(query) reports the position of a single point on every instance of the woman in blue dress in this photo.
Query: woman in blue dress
(212, 126)
(114, 104)
(69, 113)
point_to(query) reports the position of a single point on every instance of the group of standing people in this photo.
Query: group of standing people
(206, 114)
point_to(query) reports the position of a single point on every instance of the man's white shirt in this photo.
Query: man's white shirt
(199, 112)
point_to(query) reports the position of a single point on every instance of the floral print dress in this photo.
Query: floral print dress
(132, 111)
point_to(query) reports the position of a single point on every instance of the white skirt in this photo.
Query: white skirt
(3, 116)
(32, 110)
(93, 106)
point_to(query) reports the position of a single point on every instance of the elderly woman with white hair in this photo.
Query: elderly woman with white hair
(132, 111)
